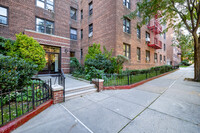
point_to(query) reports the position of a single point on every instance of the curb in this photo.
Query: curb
(135, 84)
(12, 125)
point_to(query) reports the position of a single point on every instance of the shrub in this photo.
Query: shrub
(92, 72)
(6, 45)
(100, 62)
(103, 60)
(15, 73)
(74, 63)
(93, 51)
(26, 48)
(185, 63)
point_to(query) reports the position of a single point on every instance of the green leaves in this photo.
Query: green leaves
(15, 72)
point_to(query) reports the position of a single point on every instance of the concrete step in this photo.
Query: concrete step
(79, 93)
(79, 88)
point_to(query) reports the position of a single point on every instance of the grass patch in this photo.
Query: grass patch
(183, 66)
(120, 80)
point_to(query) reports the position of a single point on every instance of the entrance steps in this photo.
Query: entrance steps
(78, 91)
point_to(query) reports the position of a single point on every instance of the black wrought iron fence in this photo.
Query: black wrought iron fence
(17, 102)
(134, 76)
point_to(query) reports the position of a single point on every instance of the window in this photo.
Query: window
(44, 26)
(3, 15)
(81, 14)
(147, 56)
(138, 32)
(126, 25)
(164, 35)
(126, 49)
(90, 30)
(160, 58)
(90, 8)
(72, 54)
(73, 33)
(155, 58)
(147, 35)
(164, 47)
(127, 3)
(138, 13)
(81, 53)
(138, 54)
(73, 13)
(81, 33)
(46, 4)
(164, 58)
(147, 20)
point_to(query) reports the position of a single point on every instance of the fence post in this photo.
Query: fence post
(146, 74)
(33, 97)
(128, 78)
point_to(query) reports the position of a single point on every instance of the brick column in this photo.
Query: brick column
(98, 83)
(57, 91)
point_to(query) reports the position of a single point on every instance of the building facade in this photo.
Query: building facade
(66, 28)
(173, 52)
(124, 36)
(47, 21)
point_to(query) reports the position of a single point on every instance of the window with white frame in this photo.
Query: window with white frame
(44, 26)
(155, 57)
(138, 32)
(73, 33)
(3, 15)
(161, 58)
(90, 8)
(127, 3)
(126, 25)
(126, 50)
(73, 13)
(147, 56)
(138, 54)
(45, 4)
(90, 30)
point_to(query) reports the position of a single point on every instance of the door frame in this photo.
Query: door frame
(49, 66)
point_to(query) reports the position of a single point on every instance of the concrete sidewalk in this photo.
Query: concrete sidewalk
(164, 105)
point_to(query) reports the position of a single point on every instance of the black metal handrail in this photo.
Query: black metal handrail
(61, 82)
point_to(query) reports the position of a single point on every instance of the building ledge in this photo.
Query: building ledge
(47, 34)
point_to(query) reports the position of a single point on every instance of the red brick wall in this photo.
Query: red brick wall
(63, 43)
(108, 31)
(22, 17)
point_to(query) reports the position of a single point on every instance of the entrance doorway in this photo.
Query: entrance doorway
(52, 57)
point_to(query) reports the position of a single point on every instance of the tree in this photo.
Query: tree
(177, 13)
(186, 44)
(28, 49)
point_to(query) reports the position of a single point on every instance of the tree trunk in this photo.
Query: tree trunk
(196, 57)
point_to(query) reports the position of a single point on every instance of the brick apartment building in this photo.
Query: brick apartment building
(173, 53)
(66, 28)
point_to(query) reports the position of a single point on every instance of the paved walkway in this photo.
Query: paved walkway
(69, 82)
(164, 105)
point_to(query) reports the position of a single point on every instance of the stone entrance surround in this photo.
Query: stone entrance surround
(52, 40)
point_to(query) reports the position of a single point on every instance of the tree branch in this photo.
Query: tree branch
(183, 17)
(191, 14)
